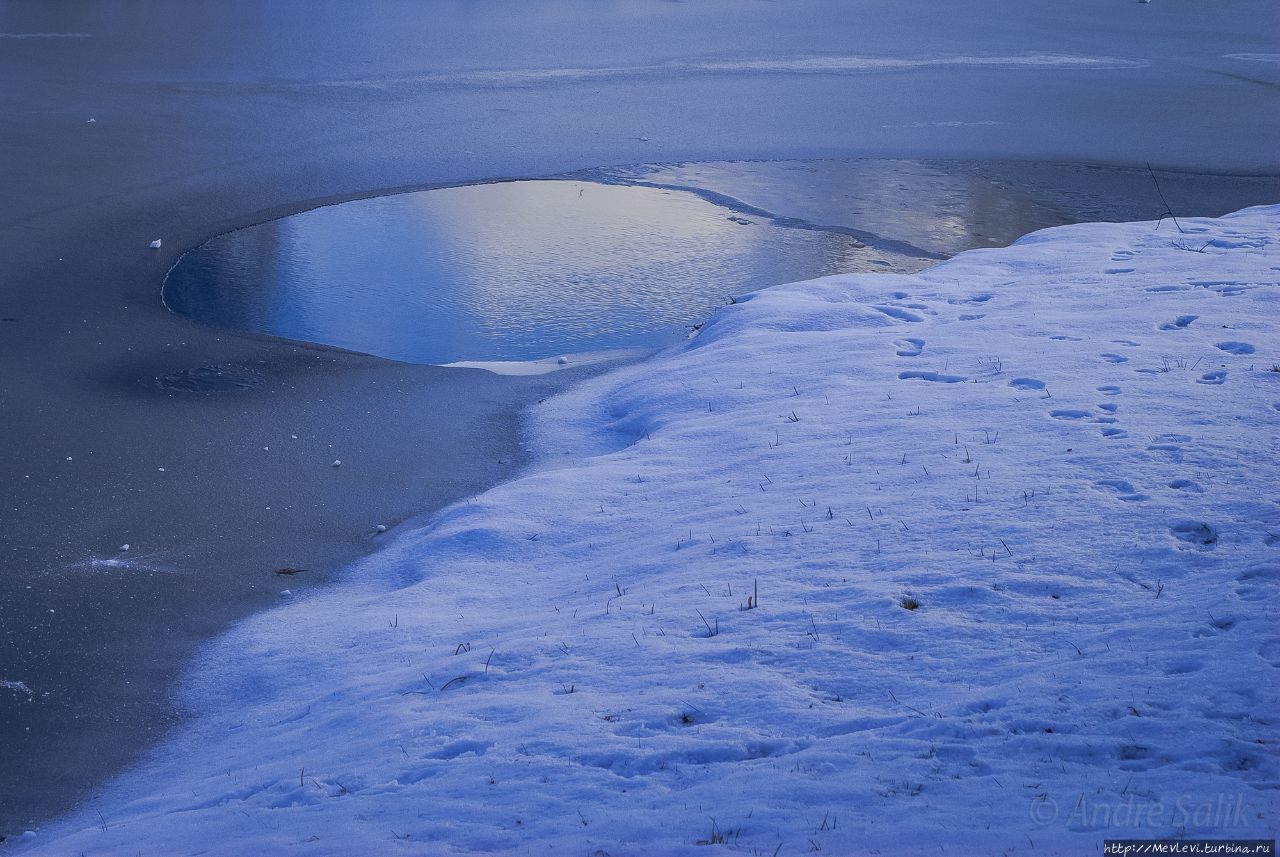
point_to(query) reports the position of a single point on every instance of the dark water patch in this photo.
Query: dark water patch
(507, 271)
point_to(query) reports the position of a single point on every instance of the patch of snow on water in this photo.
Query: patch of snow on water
(837, 64)
(1254, 57)
(853, 569)
(45, 35)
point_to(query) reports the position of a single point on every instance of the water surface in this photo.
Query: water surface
(507, 271)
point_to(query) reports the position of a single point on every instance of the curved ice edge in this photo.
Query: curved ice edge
(547, 365)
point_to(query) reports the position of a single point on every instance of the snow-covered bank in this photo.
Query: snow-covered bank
(1012, 523)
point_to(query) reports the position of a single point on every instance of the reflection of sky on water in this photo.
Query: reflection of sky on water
(939, 208)
(516, 270)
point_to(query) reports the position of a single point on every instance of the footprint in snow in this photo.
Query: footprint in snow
(1174, 438)
(1122, 489)
(976, 299)
(1270, 652)
(1067, 414)
(1169, 443)
(1162, 289)
(899, 313)
(1258, 584)
(971, 316)
(1185, 666)
(1109, 407)
(1236, 347)
(1108, 390)
(1250, 243)
(1180, 323)
(1217, 376)
(1027, 384)
(931, 376)
(1118, 271)
(1113, 432)
(1114, 358)
(1227, 290)
(909, 347)
(1186, 485)
(1195, 534)
(1215, 626)
(1064, 338)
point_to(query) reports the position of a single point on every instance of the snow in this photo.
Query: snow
(1013, 526)
(15, 686)
(548, 364)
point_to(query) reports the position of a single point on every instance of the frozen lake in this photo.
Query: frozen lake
(209, 117)
(531, 88)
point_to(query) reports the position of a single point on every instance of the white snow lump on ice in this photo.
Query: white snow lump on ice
(1013, 526)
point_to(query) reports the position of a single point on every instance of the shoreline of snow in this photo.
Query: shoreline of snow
(1061, 451)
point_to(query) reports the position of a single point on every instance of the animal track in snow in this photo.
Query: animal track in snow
(1027, 384)
(931, 376)
(1122, 489)
(1236, 347)
(1242, 243)
(971, 316)
(1186, 485)
(1217, 376)
(1108, 390)
(1109, 407)
(909, 347)
(1113, 432)
(1169, 443)
(980, 298)
(1067, 414)
(1185, 666)
(1195, 533)
(1180, 323)
(1114, 358)
(1064, 338)
(1270, 652)
(1226, 289)
(1118, 271)
(899, 313)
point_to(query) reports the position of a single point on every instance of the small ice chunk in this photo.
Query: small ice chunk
(90, 120)
(124, 547)
(337, 462)
(155, 245)
(284, 593)
(563, 361)
(382, 528)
